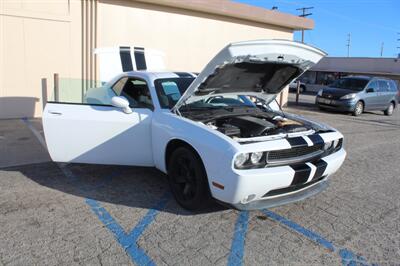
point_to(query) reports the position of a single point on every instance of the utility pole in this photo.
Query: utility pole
(348, 44)
(382, 48)
(398, 47)
(303, 15)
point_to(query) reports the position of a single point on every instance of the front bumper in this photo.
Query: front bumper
(273, 186)
(339, 105)
(285, 198)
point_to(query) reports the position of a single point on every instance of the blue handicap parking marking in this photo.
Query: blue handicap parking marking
(348, 257)
(129, 240)
(238, 242)
(296, 227)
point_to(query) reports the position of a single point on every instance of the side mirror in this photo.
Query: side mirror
(121, 102)
(370, 90)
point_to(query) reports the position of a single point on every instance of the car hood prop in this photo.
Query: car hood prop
(262, 68)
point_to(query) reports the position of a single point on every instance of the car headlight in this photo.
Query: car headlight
(348, 96)
(241, 159)
(320, 92)
(328, 145)
(333, 146)
(249, 160)
(255, 157)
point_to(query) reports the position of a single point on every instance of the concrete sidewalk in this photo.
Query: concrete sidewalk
(18, 145)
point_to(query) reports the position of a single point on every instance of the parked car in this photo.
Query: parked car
(357, 94)
(217, 135)
(293, 86)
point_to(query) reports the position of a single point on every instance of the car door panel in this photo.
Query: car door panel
(370, 98)
(384, 94)
(98, 134)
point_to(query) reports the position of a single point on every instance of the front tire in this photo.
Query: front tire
(188, 179)
(389, 110)
(359, 109)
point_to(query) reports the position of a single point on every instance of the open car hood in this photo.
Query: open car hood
(262, 68)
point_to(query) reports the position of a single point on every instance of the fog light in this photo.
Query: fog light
(248, 198)
(255, 157)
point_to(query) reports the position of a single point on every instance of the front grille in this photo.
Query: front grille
(294, 154)
(330, 96)
(291, 188)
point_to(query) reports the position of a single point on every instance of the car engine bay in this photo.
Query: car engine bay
(250, 124)
(247, 126)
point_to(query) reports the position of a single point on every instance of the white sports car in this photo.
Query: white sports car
(218, 135)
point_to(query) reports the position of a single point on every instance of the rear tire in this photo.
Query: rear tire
(359, 109)
(188, 179)
(389, 110)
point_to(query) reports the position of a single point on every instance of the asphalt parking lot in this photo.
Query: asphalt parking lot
(102, 215)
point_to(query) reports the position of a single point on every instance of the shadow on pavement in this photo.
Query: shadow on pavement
(137, 187)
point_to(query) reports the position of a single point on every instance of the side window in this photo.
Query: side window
(383, 86)
(138, 94)
(373, 85)
(117, 88)
(393, 86)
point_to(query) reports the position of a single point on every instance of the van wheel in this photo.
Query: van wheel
(359, 109)
(389, 110)
(188, 179)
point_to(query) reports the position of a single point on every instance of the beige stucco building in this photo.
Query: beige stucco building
(42, 37)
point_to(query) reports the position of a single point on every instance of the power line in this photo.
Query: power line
(304, 14)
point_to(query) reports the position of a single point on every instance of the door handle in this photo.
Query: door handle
(55, 113)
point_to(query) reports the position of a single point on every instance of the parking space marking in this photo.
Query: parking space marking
(239, 238)
(129, 241)
(348, 257)
(307, 233)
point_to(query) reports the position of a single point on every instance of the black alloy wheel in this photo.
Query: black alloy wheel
(188, 179)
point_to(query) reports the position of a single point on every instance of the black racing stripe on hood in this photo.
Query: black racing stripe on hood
(297, 142)
(316, 139)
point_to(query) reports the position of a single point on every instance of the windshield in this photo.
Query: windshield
(350, 84)
(169, 91)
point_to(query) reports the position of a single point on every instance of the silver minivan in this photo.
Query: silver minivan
(357, 94)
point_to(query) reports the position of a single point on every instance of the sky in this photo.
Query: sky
(369, 22)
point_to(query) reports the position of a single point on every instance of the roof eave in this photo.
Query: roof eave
(239, 11)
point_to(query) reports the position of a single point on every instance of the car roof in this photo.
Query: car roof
(161, 74)
(359, 77)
